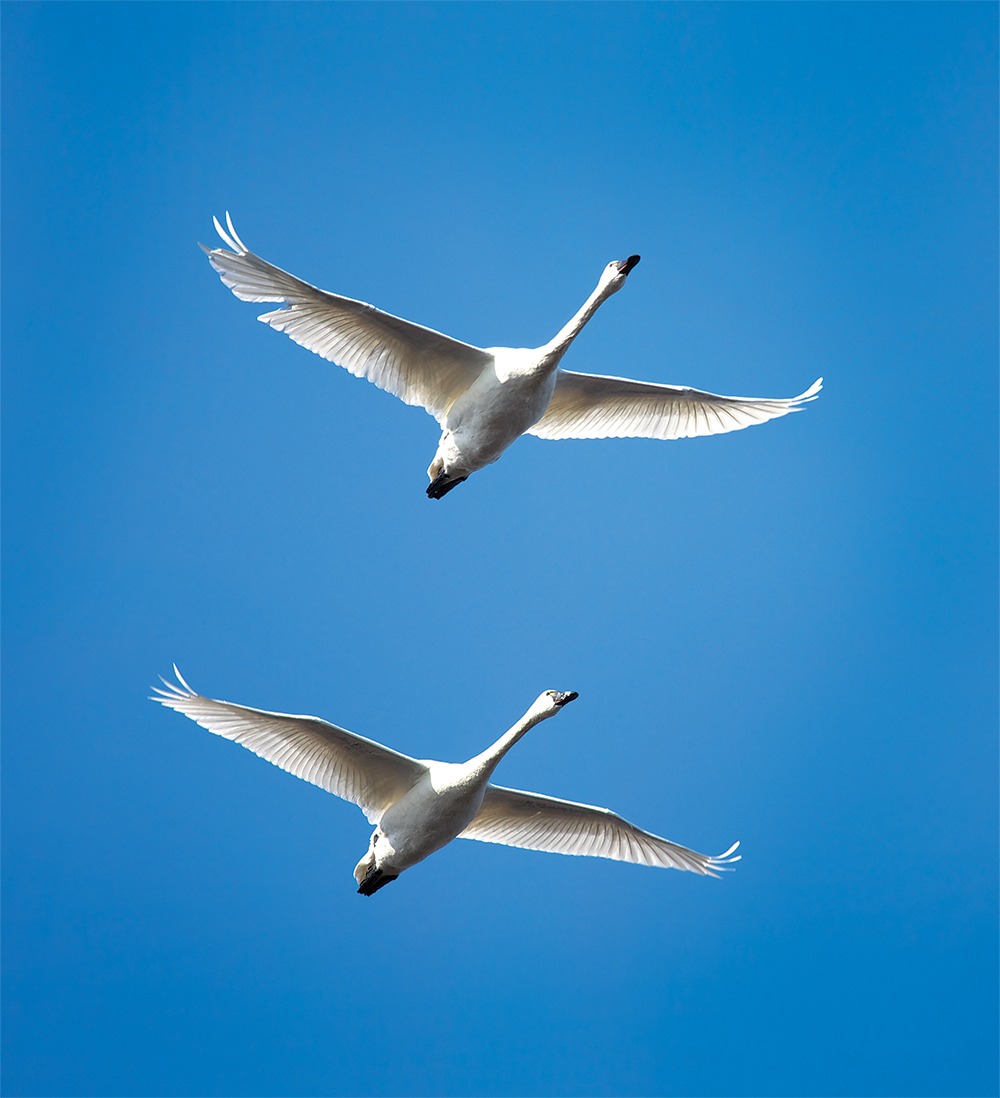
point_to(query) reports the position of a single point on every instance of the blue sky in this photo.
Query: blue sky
(785, 635)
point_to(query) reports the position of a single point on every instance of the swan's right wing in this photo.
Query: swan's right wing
(349, 766)
(592, 406)
(417, 364)
(537, 822)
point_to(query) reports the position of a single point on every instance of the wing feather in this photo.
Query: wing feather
(417, 364)
(592, 406)
(347, 765)
(536, 822)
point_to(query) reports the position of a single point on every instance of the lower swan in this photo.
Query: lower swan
(419, 805)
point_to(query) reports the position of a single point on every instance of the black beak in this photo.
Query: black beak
(627, 264)
(564, 698)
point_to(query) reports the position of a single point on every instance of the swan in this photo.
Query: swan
(418, 806)
(484, 398)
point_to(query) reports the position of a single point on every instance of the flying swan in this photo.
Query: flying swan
(484, 398)
(418, 806)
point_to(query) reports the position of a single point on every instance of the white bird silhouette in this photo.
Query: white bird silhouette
(484, 398)
(418, 806)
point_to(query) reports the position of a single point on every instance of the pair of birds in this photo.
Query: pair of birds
(483, 400)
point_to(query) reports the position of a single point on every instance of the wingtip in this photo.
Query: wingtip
(181, 680)
(724, 861)
(230, 238)
(173, 690)
(812, 392)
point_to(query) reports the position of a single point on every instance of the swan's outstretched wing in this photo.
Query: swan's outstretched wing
(349, 766)
(590, 406)
(418, 365)
(536, 822)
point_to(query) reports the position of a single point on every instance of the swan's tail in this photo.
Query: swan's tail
(442, 484)
(374, 880)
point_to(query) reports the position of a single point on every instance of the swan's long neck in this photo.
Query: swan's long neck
(485, 763)
(556, 348)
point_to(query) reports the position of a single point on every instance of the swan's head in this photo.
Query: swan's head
(550, 702)
(616, 272)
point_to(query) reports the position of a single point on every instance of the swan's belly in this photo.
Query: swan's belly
(491, 414)
(423, 821)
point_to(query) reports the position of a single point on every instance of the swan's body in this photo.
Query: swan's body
(418, 806)
(484, 398)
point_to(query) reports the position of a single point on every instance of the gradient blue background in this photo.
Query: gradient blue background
(784, 635)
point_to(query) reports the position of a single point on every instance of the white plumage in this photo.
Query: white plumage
(485, 398)
(418, 806)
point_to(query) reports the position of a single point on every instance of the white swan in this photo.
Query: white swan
(485, 398)
(420, 805)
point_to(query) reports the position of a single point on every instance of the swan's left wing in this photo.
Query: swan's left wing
(341, 762)
(591, 406)
(536, 822)
(415, 363)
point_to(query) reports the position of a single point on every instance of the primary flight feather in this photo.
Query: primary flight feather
(485, 398)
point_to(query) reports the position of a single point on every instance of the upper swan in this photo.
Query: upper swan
(418, 806)
(484, 398)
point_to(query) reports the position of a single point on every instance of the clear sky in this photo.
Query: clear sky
(784, 635)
